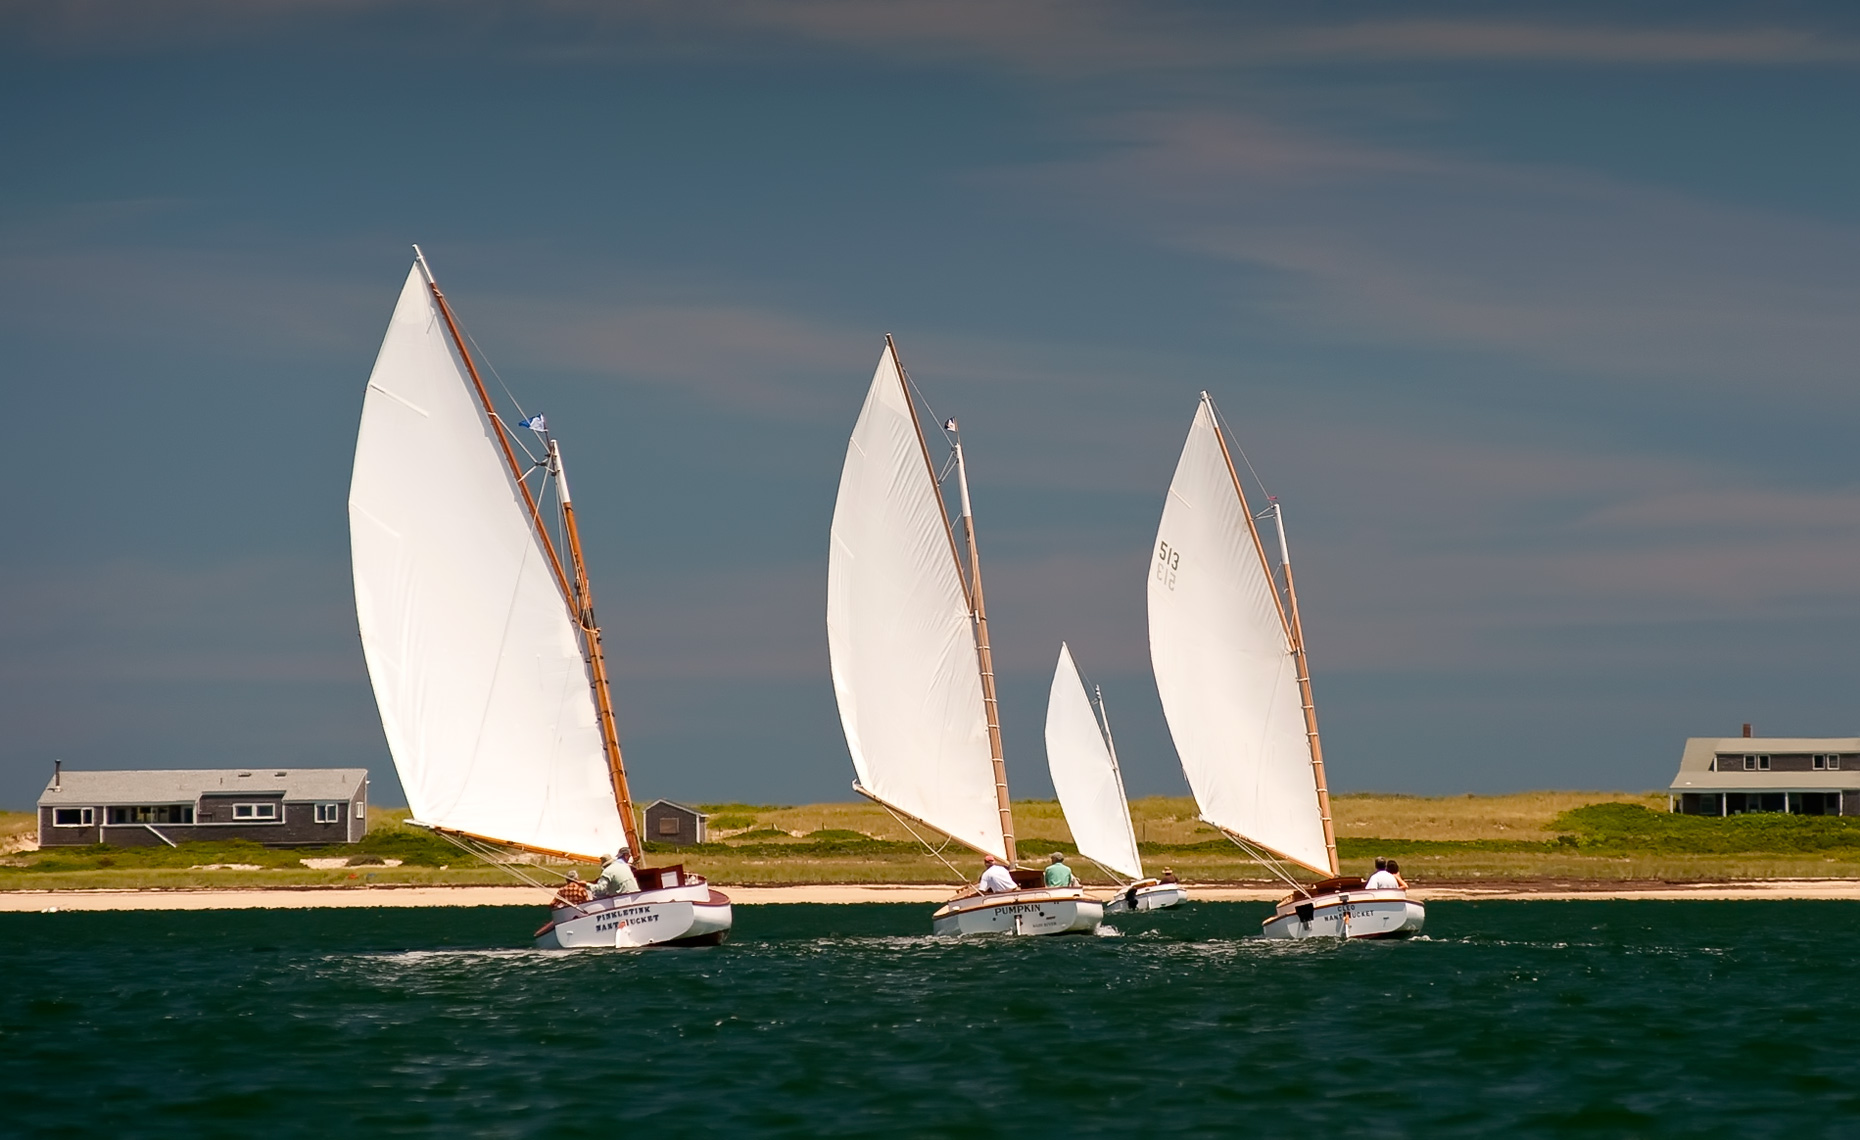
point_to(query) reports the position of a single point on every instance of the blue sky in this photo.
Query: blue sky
(1541, 322)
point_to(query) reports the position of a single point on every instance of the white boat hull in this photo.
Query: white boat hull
(691, 915)
(1041, 910)
(1152, 896)
(1348, 914)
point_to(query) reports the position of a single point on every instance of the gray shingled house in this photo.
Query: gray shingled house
(278, 807)
(1732, 775)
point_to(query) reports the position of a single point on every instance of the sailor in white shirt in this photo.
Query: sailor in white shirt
(995, 877)
(1386, 879)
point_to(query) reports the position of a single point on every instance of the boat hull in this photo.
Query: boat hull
(1347, 914)
(1154, 896)
(676, 916)
(1045, 910)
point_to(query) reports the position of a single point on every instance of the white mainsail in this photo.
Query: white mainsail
(899, 632)
(1085, 774)
(480, 679)
(1222, 653)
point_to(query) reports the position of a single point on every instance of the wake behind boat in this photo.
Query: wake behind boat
(907, 637)
(1229, 656)
(1082, 757)
(480, 638)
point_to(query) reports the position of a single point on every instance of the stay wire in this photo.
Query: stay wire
(936, 851)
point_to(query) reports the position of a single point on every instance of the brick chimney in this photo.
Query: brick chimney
(1746, 731)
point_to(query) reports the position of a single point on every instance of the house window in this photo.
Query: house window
(154, 813)
(1763, 763)
(329, 813)
(255, 812)
(668, 825)
(74, 817)
(1750, 763)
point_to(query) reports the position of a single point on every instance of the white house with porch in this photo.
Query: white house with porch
(1800, 775)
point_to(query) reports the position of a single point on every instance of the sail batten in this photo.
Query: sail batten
(1085, 776)
(899, 629)
(1226, 670)
(475, 659)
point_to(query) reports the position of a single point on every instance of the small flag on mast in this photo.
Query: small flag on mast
(535, 423)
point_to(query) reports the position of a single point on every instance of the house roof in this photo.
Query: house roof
(184, 785)
(1695, 774)
(679, 806)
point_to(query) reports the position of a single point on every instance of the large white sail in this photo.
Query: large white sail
(898, 630)
(1085, 775)
(478, 674)
(1223, 661)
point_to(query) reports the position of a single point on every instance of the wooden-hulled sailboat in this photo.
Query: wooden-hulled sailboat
(1229, 655)
(907, 633)
(481, 640)
(1082, 757)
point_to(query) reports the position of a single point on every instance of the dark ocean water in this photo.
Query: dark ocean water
(1522, 1019)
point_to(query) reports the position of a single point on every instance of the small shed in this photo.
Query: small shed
(675, 823)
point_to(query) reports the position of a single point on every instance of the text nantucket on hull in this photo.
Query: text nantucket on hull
(1082, 757)
(480, 639)
(907, 637)
(1228, 652)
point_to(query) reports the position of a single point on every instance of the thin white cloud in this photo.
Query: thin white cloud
(1555, 268)
(1054, 38)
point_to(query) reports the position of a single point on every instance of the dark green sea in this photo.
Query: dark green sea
(1518, 1019)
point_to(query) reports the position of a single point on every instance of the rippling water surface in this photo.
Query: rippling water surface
(1536, 1019)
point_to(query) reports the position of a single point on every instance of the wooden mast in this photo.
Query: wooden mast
(597, 659)
(986, 656)
(1294, 634)
(972, 587)
(1304, 696)
(577, 597)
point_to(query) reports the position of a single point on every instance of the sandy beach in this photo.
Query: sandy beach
(289, 898)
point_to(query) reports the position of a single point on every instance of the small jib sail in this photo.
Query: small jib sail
(1083, 761)
(1228, 653)
(907, 631)
(480, 639)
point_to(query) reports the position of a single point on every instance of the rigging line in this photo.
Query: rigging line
(483, 857)
(936, 851)
(925, 400)
(485, 358)
(1233, 441)
(1114, 876)
(1267, 862)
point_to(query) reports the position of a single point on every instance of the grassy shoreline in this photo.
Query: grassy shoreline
(1562, 838)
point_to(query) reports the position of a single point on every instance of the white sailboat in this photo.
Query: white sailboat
(1229, 656)
(1082, 757)
(481, 641)
(907, 633)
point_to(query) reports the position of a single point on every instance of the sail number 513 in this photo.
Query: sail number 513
(1168, 561)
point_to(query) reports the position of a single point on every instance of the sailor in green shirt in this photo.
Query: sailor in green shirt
(1058, 874)
(617, 877)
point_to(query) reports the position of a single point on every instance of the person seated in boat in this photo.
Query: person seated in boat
(1385, 878)
(1058, 874)
(574, 892)
(1168, 876)
(1395, 870)
(617, 876)
(995, 877)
